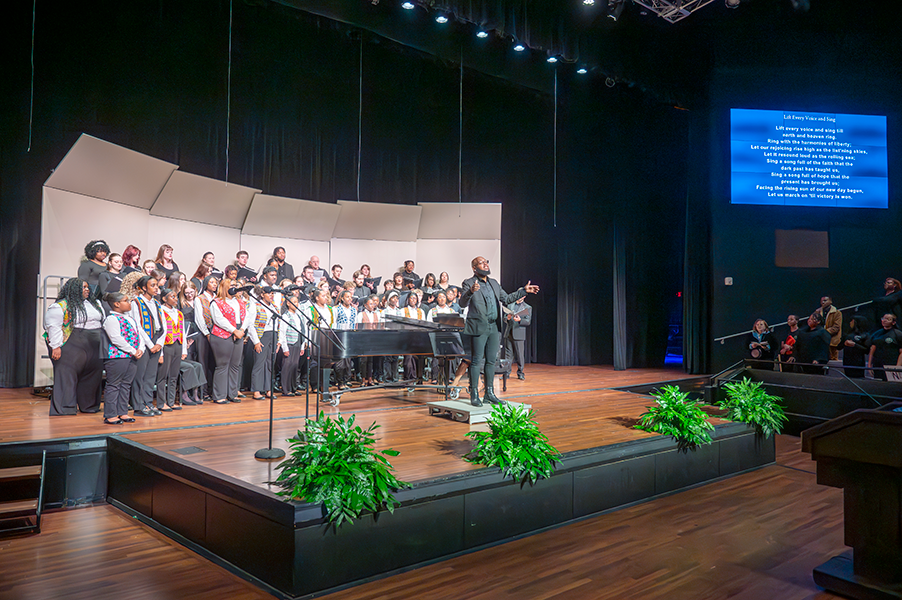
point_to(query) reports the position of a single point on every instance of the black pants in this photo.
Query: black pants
(120, 372)
(290, 368)
(514, 351)
(168, 374)
(261, 376)
(77, 374)
(227, 373)
(484, 350)
(205, 358)
(145, 376)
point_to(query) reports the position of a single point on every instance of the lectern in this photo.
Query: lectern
(861, 452)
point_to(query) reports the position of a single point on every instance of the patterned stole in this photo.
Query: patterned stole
(147, 321)
(129, 333)
(205, 309)
(260, 320)
(174, 328)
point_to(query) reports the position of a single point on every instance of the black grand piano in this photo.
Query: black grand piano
(395, 337)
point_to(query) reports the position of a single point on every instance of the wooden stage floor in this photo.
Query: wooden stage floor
(576, 407)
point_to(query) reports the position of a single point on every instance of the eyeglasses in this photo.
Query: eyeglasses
(482, 262)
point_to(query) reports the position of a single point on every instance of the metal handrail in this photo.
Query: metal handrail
(748, 331)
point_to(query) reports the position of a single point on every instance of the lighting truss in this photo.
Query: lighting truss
(673, 10)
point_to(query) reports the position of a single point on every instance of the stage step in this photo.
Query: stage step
(21, 497)
(462, 411)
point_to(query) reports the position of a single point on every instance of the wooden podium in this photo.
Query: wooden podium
(861, 452)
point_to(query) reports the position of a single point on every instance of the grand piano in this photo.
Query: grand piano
(397, 336)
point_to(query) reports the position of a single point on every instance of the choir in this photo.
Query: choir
(169, 339)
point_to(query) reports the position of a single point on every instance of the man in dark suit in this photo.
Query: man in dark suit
(517, 321)
(484, 297)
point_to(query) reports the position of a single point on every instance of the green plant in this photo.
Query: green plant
(333, 461)
(748, 402)
(514, 444)
(678, 416)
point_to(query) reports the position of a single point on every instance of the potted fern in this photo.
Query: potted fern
(677, 415)
(514, 444)
(333, 461)
(748, 402)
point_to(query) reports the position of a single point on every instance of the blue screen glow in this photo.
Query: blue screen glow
(808, 159)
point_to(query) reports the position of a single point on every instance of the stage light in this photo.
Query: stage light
(519, 48)
(441, 19)
(482, 34)
(582, 70)
(588, 2)
(615, 9)
(552, 59)
(408, 5)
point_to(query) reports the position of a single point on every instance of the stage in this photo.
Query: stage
(192, 474)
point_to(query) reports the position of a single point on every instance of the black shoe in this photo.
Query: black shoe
(235, 400)
(188, 403)
(224, 401)
(163, 409)
(521, 376)
(474, 397)
(118, 421)
(145, 412)
(176, 407)
(491, 398)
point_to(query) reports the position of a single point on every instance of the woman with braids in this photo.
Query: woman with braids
(148, 314)
(73, 325)
(131, 259)
(93, 264)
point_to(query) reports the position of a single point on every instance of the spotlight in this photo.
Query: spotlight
(582, 70)
(482, 34)
(441, 19)
(408, 6)
(615, 9)
(519, 48)
(588, 2)
(552, 59)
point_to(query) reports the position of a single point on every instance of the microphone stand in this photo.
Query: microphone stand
(319, 364)
(270, 453)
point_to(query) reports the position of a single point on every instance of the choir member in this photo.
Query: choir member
(201, 273)
(413, 365)
(193, 375)
(290, 341)
(93, 264)
(148, 267)
(203, 318)
(73, 335)
(263, 337)
(285, 270)
(408, 270)
(390, 363)
(148, 314)
(121, 360)
(111, 279)
(226, 340)
(164, 260)
(131, 259)
(243, 270)
(444, 281)
(175, 350)
(369, 365)
(886, 347)
(345, 318)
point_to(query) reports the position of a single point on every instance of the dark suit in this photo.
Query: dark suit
(516, 334)
(484, 335)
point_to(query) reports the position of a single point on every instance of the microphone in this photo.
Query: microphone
(234, 291)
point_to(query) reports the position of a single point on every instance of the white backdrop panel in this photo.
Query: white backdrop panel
(70, 221)
(383, 257)
(297, 252)
(375, 221)
(277, 216)
(93, 167)
(465, 221)
(454, 256)
(190, 241)
(195, 198)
